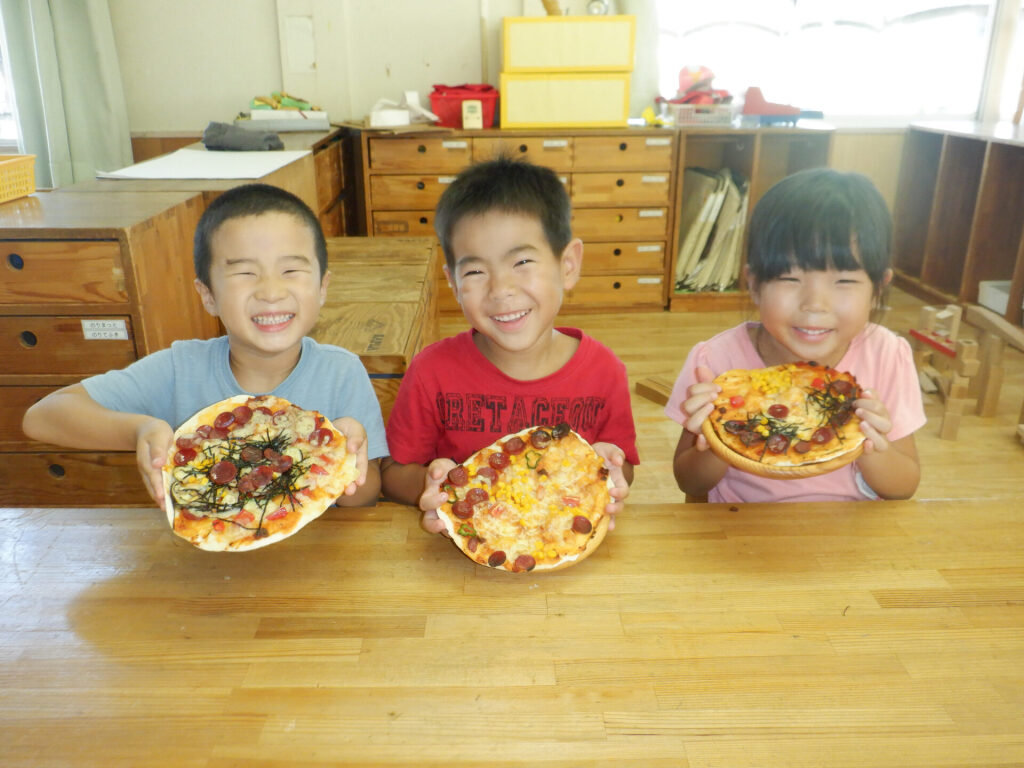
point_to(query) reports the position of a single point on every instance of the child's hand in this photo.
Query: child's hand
(432, 496)
(355, 442)
(614, 458)
(875, 422)
(699, 402)
(154, 439)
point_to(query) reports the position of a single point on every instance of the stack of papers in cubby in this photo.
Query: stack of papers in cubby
(712, 220)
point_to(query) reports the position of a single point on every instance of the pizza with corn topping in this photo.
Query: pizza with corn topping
(534, 500)
(791, 420)
(249, 471)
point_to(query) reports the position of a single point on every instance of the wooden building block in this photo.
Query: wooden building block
(950, 425)
(990, 378)
(656, 388)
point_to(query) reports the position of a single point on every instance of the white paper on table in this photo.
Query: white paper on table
(205, 164)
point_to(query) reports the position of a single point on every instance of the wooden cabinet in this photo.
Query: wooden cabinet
(958, 218)
(92, 282)
(621, 183)
(761, 156)
(332, 169)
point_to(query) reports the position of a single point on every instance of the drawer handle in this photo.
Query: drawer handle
(523, 148)
(421, 149)
(617, 251)
(56, 471)
(28, 339)
(420, 185)
(616, 285)
(15, 261)
(619, 182)
(623, 146)
(423, 219)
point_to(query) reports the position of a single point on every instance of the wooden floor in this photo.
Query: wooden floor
(854, 635)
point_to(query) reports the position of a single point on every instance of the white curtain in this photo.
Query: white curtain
(67, 88)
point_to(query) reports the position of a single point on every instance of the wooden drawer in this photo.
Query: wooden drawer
(332, 220)
(620, 223)
(552, 152)
(62, 272)
(405, 192)
(328, 175)
(408, 223)
(57, 345)
(623, 258)
(615, 291)
(14, 401)
(628, 153)
(420, 154)
(621, 188)
(72, 480)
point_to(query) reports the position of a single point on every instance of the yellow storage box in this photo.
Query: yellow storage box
(560, 100)
(17, 176)
(568, 43)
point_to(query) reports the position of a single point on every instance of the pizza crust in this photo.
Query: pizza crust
(597, 535)
(310, 510)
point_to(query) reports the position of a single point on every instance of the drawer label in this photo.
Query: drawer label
(648, 248)
(651, 213)
(658, 142)
(116, 330)
(648, 281)
(654, 179)
(454, 144)
(555, 143)
(445, 179)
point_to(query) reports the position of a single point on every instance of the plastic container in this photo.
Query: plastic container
(17, 176)
(701, 114)
(446, 103)
(994, 295)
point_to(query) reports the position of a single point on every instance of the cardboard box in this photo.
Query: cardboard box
(560, 100)
(568, 43)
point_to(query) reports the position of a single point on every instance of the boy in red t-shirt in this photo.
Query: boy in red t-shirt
(505, 229)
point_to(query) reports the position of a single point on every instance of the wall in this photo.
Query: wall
(188, 62)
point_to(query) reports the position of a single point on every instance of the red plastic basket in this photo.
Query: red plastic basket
(446, 103)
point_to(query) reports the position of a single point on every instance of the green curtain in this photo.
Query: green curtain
(67, 88)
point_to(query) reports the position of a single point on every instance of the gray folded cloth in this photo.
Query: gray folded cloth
(231, 137)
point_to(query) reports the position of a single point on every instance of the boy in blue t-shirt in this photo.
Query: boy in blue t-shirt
(261, 267)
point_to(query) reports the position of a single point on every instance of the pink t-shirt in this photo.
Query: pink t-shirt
(453, 401)
(879, 359)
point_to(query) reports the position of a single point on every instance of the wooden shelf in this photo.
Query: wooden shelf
(957, 218)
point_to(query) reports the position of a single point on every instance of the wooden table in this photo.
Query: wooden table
(885, 634)
(381, 304)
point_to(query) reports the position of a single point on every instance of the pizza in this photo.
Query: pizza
(791, 420)
(249, 471)
(534, 500)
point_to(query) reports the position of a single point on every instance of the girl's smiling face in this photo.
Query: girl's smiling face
(813, 315)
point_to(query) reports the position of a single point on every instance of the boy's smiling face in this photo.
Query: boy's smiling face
(509, 282)
(265, 284)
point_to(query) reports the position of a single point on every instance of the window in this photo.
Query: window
(8, 119)
(864, 60)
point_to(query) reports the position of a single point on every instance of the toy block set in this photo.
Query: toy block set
(961, 370)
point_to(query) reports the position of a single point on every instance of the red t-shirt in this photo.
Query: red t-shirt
(453, 401)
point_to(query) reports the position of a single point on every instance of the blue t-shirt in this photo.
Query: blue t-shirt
(173, 384)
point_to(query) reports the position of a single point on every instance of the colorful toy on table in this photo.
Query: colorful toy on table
(770, 113)
(700, 99)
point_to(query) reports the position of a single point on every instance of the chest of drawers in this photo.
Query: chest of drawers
(621, 184)
(91, 282)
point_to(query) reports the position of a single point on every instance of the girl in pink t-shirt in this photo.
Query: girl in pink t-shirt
(818, 265)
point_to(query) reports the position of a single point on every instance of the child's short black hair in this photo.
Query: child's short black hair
(251, 200)
(511, 186)
(820, 219)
